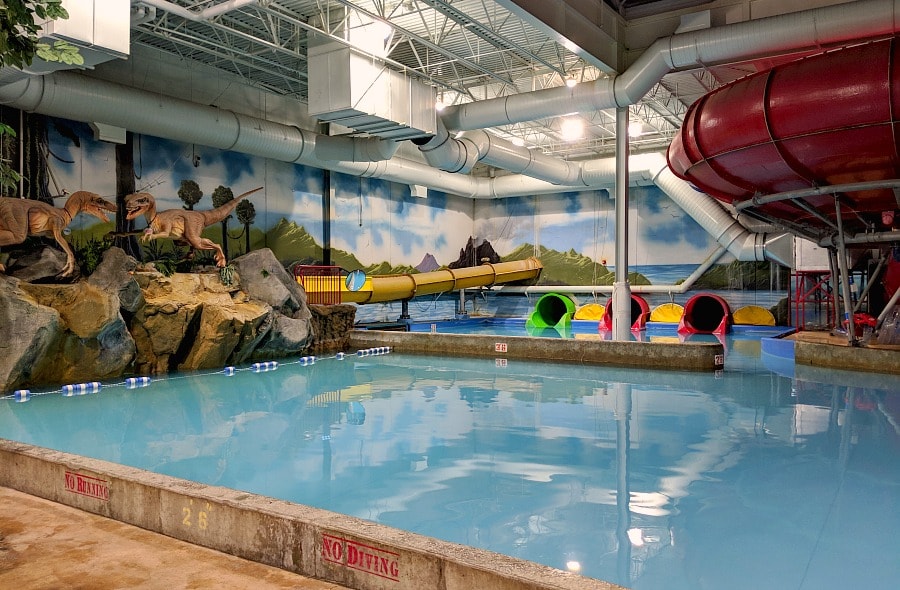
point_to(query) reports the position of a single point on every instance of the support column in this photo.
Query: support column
(621, 294)
(845, 275)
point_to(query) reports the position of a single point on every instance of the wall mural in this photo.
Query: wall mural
(378, 225)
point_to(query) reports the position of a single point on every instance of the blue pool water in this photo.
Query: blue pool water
(651, 479)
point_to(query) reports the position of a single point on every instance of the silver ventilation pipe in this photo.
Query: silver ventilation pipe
(808, 29)
(719, 223)
(461, 153)
(500, 153)
(80, 98)
(447, 153)
(77, 97)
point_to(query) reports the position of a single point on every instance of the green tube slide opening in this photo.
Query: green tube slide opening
(552, 310)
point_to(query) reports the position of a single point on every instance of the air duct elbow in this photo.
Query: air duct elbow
(500, 153)
(449, 154)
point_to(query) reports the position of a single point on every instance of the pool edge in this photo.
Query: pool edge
(655, 355)
(309, 541)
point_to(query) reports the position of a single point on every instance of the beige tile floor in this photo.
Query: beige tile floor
(45, 545)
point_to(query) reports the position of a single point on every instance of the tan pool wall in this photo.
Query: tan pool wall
(646, 355)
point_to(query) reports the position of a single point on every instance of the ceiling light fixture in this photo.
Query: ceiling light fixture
(571, 129)
(635, 129)
(571, 81)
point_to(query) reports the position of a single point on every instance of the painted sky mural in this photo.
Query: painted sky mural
(377, 221)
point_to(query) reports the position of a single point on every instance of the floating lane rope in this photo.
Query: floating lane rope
(77, 389)
(80, 388)
(378, 350)
(135, 382)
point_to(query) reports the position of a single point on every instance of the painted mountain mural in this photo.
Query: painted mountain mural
(429, 263)
(570, 268)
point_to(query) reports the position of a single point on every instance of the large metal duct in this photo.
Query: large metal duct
(809, 29)
(719, 223)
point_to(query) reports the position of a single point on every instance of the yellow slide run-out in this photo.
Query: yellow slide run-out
(378, 289)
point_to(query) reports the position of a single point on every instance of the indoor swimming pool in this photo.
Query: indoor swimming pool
(651, 479)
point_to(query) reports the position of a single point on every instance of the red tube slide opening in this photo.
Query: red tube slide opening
(640, 311)
(705, 313)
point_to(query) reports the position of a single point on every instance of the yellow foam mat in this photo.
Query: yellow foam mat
(753, 315)
(590, 311)
(667, 312)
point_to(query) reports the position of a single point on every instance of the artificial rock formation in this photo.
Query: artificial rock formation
(193, 321)
(61, 334)
(28, 330)
(125, 320)
(332, 325)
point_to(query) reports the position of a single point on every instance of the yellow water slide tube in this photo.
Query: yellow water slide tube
(381, 288)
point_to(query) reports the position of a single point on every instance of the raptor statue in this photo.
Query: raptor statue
(183, 226)
(20, 218)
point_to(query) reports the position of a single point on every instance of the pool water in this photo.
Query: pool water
(650, 479)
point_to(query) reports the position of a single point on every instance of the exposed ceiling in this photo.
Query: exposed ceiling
(466, 49)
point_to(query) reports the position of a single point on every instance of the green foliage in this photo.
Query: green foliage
(570, 268)
(89, 253)
(226, 275)
(166, 260)
(9, 177)
(246, 212)
(222, 195)
(201, 258)
(60, 51)
(190, 193)
(20, 35)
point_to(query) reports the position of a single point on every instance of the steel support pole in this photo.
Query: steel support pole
(621, 302)
(845, 275)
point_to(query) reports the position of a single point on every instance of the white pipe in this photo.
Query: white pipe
(500, 153)
(205, 14)
(741, 243)
(355, 149)
(447, 153)
(808, 29)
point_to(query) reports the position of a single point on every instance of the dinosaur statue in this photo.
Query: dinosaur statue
(20, 218)
(181, 225)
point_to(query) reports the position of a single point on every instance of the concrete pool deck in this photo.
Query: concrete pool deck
(44, 544)
(337, 549)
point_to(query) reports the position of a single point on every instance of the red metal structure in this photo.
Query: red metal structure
(828, 119)
(813, 297)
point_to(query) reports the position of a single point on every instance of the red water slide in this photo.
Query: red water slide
(828, 119)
